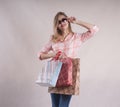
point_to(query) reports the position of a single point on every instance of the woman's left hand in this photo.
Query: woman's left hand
(62, 56)
(72, 20)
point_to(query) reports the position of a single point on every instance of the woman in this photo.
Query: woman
(68, 42)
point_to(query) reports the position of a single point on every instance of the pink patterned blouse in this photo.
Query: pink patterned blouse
(71, 44)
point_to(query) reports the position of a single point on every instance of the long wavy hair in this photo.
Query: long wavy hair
(57, 32)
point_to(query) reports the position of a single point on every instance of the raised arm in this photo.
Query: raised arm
(81, 23)
(91, 28)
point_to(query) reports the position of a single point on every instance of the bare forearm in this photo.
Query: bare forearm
(81, 23)
(84, 24)
(46, 56)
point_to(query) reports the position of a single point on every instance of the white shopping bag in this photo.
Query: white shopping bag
(49, 74)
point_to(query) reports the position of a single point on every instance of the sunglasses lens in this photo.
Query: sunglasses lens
(59, 22)
(63, 20)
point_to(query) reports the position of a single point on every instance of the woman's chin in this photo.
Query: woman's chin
(63, 28)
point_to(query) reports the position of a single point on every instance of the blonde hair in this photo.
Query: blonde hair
(57, 32)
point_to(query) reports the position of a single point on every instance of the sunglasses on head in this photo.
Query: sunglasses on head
(62, 20)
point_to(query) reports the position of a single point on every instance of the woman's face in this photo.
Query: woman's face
(62, 22)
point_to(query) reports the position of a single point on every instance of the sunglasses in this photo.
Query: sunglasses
(62, 20)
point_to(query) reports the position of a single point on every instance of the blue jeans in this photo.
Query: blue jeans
(60, 100)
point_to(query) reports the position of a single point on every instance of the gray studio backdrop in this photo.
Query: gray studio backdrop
(25, 27)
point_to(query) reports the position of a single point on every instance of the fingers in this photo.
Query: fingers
(62, 56)
(57, 55)
(71, 19)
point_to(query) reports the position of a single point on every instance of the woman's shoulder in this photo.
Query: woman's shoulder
(51, 37)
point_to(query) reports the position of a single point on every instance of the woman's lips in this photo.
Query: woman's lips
(62, 25)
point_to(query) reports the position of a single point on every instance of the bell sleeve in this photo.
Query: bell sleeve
(86, 35)
(45, 49)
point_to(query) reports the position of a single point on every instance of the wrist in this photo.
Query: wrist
(53, 54)
(76, 22)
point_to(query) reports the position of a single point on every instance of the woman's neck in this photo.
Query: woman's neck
(65, 33)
